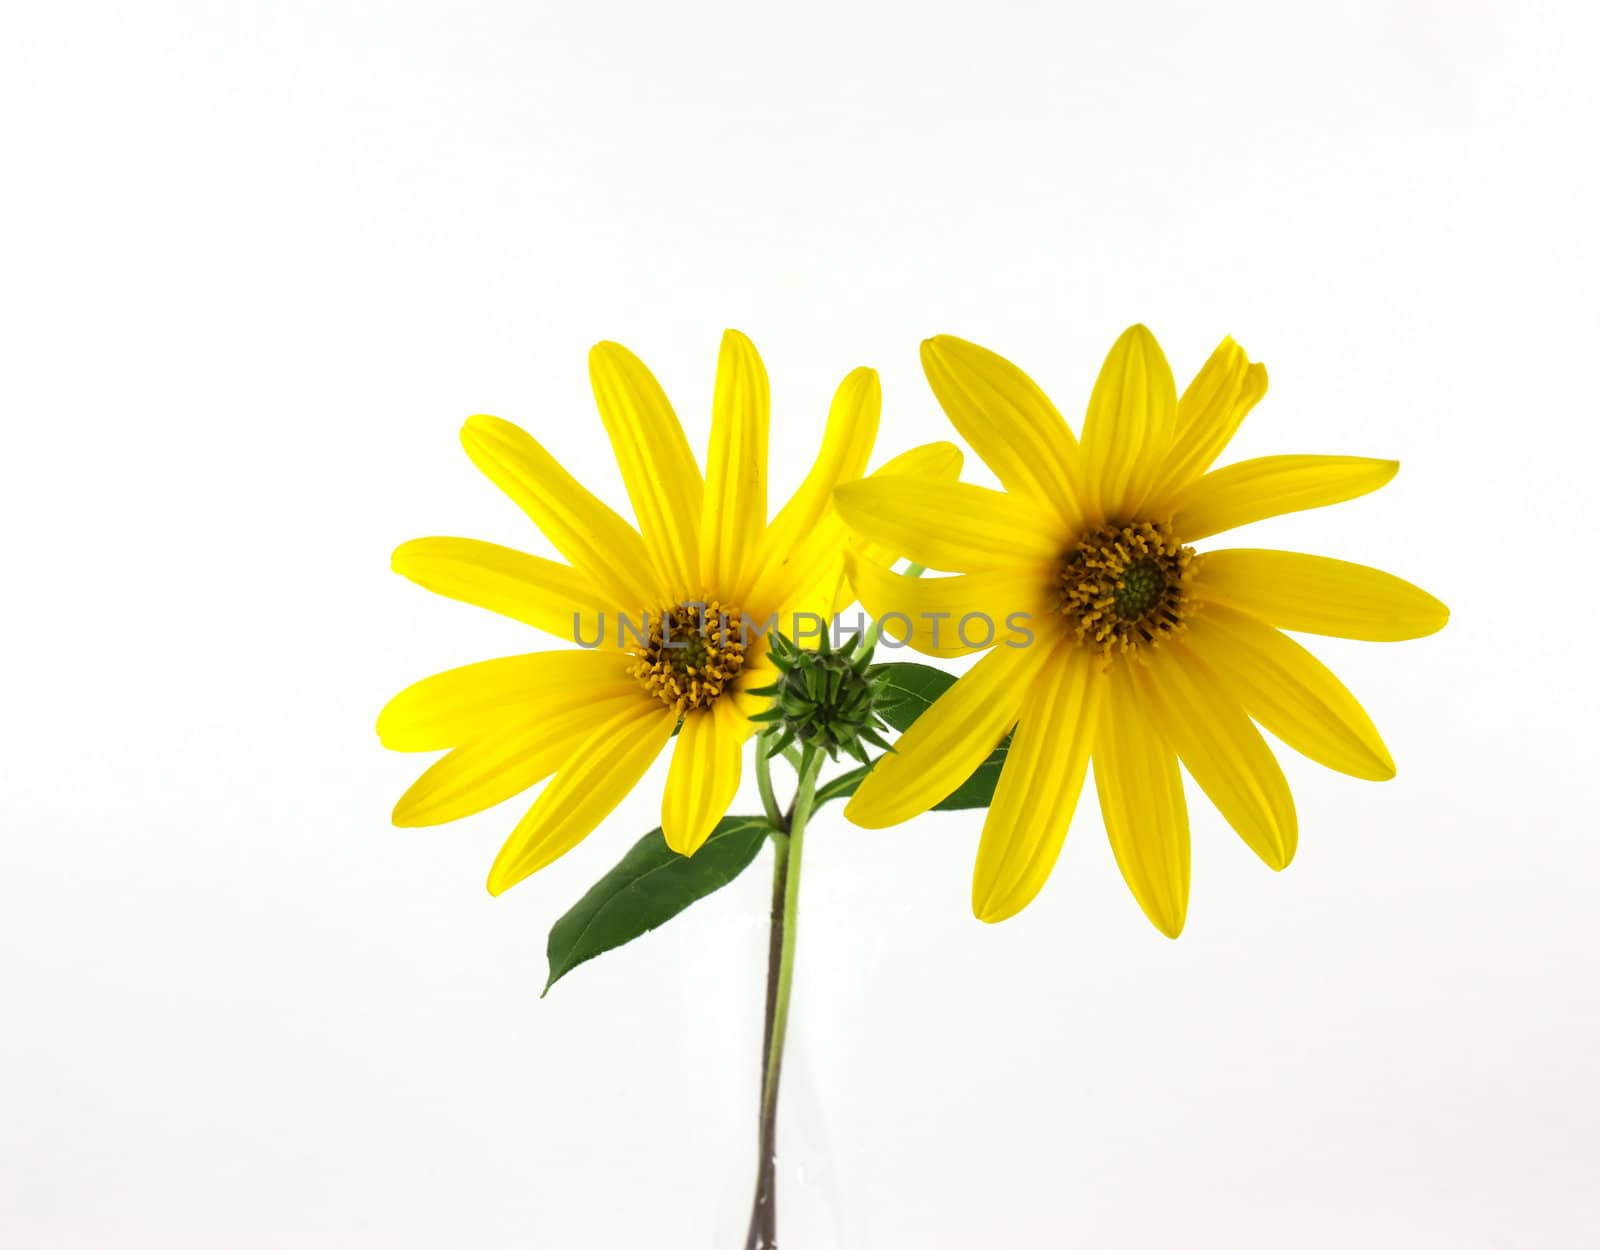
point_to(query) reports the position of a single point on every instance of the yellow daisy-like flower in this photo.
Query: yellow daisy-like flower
(703, 562)
(1143, 652)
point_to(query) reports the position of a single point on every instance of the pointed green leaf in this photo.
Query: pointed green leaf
(649, 886)
(840, 787)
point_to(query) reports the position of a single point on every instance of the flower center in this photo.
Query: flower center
(1125, 586)
(693, 654)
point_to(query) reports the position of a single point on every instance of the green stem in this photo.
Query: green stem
(763, 1215)
(804, 798)
(769, 799)
(788, 847)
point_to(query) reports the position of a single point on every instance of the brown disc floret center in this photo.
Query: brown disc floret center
(1126, 586)
(692, 654)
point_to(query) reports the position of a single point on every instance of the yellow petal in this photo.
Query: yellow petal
(1128, 429)
(461, 704)
(505, 762)
(1039, 785)
(826, 591)
(947, 616)
(1317, 595)
(948, 741)
(953, 526)
(599, 543)
(1222, 750)
(1009, 422)
(759, 672)
(932, 462)
(831, 593)
(704, 775)
(1253, 490)
(800, 546)
(542, 593)
(605, 765)
(657, 466)
(1141, 801)
(1222, 394)
(1285, 687)
(735, 511)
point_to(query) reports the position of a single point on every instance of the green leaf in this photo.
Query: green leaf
(841, 787)
(650, 885)
(906, 691)
(978, 789)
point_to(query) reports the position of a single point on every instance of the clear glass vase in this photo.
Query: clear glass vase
(805, 1212)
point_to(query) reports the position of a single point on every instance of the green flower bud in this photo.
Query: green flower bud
(827, 698)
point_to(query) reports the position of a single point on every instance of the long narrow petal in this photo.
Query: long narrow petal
(818, 583)
(1039, 785)
(1253, 490)
(759, 673)
(657, 466)
(950, 526)
(461, 704)
(542, 593)
(598, 542)
(931, 462)
(506, 761)
(1318, 595)
(735, 511)
(1211, 409)
(1128, 429)
(948, 616)
(1141, 801)
(1291, 692)
(704, 775)
(1009, 422)
(1222, 750)
(948, 741)
(604, 766)
(791, 554)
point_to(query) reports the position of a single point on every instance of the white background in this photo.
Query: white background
(258, 264)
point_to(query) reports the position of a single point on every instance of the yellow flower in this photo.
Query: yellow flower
(1142, 651)
(704, 560)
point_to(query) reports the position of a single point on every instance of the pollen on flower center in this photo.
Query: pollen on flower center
(1126, 586)
(693, 653)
